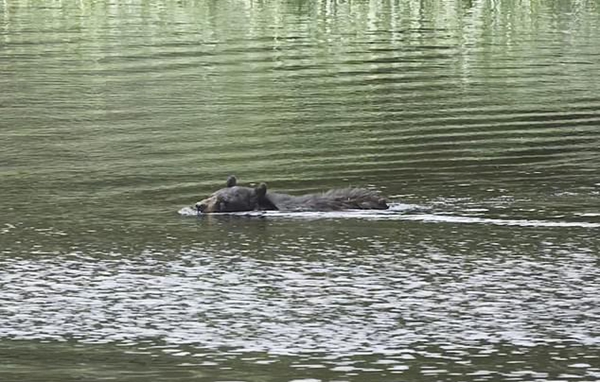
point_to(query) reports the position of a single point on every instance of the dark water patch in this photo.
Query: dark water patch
(425, 363)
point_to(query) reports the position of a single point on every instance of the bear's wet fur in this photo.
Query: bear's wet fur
(234, 198)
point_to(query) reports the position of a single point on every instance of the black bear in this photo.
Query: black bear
(236, 198)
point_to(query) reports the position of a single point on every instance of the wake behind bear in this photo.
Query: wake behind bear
(234, 198)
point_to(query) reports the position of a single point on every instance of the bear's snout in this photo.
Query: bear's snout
(201, 206)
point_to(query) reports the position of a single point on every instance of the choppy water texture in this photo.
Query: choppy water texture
(480, 120)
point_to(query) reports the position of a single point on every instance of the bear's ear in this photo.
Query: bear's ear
(231, 181)
(261, 190)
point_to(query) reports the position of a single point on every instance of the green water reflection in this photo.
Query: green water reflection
(482, 116)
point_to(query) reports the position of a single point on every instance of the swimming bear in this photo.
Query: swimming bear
(234, 198)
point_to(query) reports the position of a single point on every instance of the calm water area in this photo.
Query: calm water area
(479, 120)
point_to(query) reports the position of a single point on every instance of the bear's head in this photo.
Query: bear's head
(235, 198)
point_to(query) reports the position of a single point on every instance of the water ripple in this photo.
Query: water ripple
(343, 304)
(399, 211)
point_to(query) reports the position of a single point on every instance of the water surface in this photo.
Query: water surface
(479, 120)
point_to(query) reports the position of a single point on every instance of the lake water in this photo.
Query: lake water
(480, 120)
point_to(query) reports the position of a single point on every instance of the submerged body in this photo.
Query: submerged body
(236, 198)
(332, 200)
